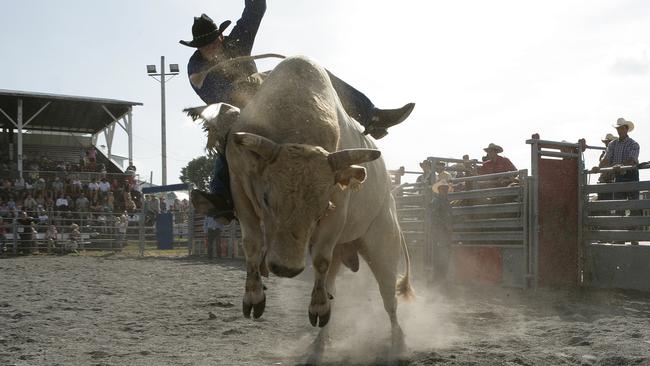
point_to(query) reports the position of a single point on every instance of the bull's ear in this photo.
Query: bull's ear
(344, 158)
(351, 177)
(261, 146)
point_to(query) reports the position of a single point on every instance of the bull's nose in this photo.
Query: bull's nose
(282, 271)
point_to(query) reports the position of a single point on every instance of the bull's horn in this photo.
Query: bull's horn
(262, 146)
(344, 158)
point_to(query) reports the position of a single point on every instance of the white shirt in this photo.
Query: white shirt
(104, 186)
(61, 202)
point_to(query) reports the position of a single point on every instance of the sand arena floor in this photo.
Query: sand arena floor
(113, 310)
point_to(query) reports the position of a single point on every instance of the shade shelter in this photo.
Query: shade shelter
(23, 111)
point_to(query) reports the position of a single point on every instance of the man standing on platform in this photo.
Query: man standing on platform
(623, 151)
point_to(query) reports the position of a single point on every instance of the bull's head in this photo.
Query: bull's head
(293, 192)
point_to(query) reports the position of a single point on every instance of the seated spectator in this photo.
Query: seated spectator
(104, 187)
(42, 215)
(29, 204)
(77, 186)
(110, 201)
(62, 203)
(129, 205)
(57, 186)
(39, 186)
(4, 209)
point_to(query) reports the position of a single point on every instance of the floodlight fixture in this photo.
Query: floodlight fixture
(173, 68)
(151, 69)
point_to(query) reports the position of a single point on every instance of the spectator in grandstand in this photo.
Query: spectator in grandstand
(6, 184)
(110, 201)
(77, 186)
(623, 151)
(82, 206)
(30, 204)
(62, 203)
(441, 229)
(91, 155)
(11, 205)
(129, 204)
(19, 184)
(57, 186)
(51, 238)
(49, 204)
(39, 186)
(42, 215)
(104, 187)
(93, 188)
(4, 209)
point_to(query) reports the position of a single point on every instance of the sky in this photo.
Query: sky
(478, 71)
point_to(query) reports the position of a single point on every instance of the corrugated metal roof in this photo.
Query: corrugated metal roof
(65, 113)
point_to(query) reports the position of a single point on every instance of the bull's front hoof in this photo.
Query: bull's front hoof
(256, 307)
(246, 308)
(319, 319)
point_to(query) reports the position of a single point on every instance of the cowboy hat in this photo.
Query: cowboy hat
(608, 137)
(205, 31)
(622, 122)
(441, 183)
(493, 146)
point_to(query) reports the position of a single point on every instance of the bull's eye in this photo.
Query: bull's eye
(265, 199)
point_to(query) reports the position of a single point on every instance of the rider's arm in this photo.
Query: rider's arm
(243, 34)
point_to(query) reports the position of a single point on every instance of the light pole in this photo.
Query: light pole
(173, 71)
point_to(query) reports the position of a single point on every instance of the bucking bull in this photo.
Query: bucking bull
(293, 154)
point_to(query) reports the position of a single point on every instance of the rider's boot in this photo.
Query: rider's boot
(210, 204)
(382, 119)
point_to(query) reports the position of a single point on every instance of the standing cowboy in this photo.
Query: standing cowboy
(623, 151)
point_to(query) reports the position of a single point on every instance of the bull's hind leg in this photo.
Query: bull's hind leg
(381, 250)
(254, 297)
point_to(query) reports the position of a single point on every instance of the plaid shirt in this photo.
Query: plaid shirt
(618, 151)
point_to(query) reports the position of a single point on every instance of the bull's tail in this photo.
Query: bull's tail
(403, 287)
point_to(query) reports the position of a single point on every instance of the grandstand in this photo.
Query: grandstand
(48, 152)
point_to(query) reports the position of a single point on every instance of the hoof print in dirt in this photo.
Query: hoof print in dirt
(211, 315)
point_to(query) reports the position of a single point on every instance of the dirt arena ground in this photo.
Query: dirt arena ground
(114, 310)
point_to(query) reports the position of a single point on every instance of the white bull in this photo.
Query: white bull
(292, 155)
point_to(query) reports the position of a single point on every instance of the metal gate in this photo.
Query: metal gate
(490, 238)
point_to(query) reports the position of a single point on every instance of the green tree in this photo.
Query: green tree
(199, 172)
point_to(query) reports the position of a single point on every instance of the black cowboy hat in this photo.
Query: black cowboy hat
(204, 31)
